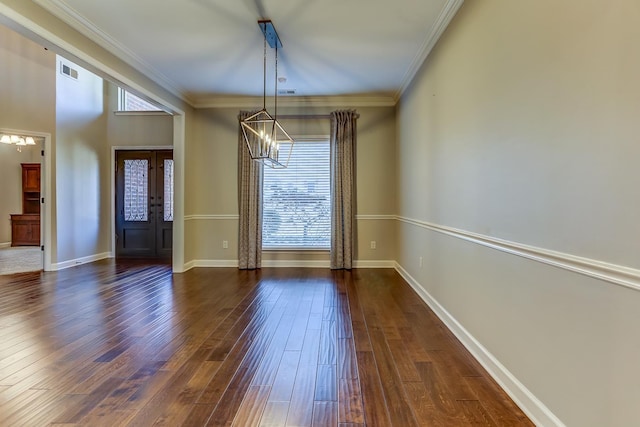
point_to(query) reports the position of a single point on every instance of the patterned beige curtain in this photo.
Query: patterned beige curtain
(249, 205)
(343, 146)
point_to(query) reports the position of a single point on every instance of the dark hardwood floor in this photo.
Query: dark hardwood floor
(131, 344)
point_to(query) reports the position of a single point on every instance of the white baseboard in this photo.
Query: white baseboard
(374, 264)
(186, 267)
(5, 245)
(539, 414)
(210, 263)
(80, 261)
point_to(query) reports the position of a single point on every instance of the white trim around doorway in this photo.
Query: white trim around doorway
(46, 176)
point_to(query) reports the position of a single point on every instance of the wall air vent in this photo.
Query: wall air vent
(68, 71)
(286, 92)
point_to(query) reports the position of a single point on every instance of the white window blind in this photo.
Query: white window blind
(296, 200)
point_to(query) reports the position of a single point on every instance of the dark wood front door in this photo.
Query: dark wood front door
(144, 204)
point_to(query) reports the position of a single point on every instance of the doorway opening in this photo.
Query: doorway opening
(22, 238)
(144, 204)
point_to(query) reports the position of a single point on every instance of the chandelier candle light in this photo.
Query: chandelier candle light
(18, 140)
(266, 140)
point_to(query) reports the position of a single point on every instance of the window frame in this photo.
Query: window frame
(121, 107)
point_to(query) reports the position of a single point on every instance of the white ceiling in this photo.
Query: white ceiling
(202, 49)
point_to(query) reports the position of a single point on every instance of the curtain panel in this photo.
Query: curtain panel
(249, 204)
(343, 146)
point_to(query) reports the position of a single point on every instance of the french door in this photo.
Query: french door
(144, 204)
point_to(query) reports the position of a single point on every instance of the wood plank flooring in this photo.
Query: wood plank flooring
(129, 344)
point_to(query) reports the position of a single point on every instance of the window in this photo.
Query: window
(130, 102)
(296, 200)
(168, 189)
(136, 190)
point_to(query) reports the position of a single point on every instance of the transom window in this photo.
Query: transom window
(296, 200)
(130, 102)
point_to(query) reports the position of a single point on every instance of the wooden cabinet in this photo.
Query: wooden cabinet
(31, 177)
(31, 188)
(25, 230)
(25, 227)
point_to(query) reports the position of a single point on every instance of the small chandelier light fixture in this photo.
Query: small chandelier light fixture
(265, 137)
(18, 140)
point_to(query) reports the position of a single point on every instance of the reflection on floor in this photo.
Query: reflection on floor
(20, 259)
(113, 344)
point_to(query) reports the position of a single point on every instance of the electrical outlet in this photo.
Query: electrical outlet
(420, 262)
(225, 244)
(373, 244)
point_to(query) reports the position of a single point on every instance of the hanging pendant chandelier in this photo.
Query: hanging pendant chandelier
(18, 140)
(265, 137)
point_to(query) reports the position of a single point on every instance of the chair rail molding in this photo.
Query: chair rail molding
(611, 273)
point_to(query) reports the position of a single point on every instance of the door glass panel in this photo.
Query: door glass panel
(168, 189)
(136, 190)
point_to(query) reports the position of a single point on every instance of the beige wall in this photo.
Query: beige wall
(27, 84)
(136, 130)
(211, 179)
(27, 103)
(522, 126)
(82, 174)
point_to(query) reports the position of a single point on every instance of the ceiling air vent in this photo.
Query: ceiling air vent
(286, 92)
(68, 71)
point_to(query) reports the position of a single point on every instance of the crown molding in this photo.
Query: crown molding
(85, 27)
(88, 29)
(447, 13)
(341, 101)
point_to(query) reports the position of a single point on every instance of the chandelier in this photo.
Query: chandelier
(265, 137)
(18, 140)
